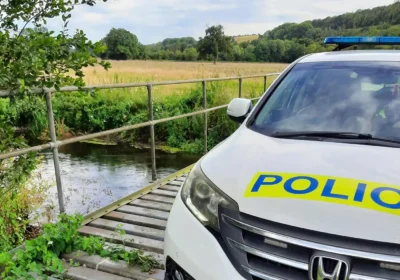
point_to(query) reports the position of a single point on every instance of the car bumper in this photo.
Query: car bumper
(190, 245)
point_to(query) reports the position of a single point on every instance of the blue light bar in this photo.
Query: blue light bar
(362, 41)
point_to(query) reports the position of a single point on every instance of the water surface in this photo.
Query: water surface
(96, 175)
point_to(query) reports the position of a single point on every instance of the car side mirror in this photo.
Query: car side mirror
(239, 109)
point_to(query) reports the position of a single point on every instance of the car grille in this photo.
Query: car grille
(261, 249)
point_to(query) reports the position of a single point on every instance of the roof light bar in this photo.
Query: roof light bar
(349, 41)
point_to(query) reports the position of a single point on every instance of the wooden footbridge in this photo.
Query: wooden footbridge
(142, 215)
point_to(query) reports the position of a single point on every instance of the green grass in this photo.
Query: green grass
(82, 113)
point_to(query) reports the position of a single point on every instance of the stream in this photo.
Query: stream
(93, 175)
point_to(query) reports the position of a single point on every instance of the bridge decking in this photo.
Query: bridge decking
(143, 216)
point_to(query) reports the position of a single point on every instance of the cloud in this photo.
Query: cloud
(233, 28)
(311, 9)
(155, 20)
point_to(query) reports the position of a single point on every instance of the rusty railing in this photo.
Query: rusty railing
(55, 144)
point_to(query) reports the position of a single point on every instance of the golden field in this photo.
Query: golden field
(143, 71)
(249, 38)
(135, 71)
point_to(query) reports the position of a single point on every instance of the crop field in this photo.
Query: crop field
(77, 113)
(140, 70)
(146, 71)
(247, 38)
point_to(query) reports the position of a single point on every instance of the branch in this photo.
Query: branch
(23, 28)
(34, 16)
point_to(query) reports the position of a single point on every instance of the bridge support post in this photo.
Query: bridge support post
(56, 158)
(152, 134)
(240, 87)
(205, 117)
(265, 83)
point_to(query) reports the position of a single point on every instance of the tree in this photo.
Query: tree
(179, 55)
(190, 54)
(121, 45)
(36, 57)
(177, 44)
(249, 53)
(214, 42)
(39, 29)
(144, 52)
(33, 58)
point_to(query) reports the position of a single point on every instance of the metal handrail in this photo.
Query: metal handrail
(4, 93)
(55, 144)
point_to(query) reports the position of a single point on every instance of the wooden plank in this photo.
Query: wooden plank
(175, 183)
(156, 256)
(130, 240)
(144, 212)
(129, 229)
(181, 179)
(151, 205)
(112, 268)
(37, 277)
(125, 200)
(136, 220)
(84, 273)
(164, 193)
(156, 198)
(170, 188)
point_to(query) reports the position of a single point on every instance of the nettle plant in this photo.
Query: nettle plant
(32, 56)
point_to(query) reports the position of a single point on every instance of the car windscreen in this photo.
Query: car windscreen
(352, 97)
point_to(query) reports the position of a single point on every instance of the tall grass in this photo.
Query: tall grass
(143, 71)
(77, 113)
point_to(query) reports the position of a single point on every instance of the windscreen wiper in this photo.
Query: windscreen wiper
(322, 134)
(347, 137)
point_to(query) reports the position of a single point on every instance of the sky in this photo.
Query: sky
(154, 20)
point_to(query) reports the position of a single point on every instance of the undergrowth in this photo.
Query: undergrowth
(20, 190)
(41, 257)
(80, 113)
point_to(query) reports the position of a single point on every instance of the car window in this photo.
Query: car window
(354, 97)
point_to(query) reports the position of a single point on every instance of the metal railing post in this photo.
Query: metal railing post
(56, 158)
(54, 145)
(240, 87)
(265, 83)
(152, 134)
(205, 117)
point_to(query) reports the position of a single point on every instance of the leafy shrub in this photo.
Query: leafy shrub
(29, 112)
(79, 112)
(16, 213)
(17, 199)
(42, 255)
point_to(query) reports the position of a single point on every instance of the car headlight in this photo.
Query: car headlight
(203, 198)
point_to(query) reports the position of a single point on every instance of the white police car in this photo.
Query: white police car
(308, 188)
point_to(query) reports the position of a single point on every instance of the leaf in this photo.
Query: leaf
(146, 267)
(4, 258)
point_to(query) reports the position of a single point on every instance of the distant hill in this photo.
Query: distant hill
(289, 41)
(362, 18)
(245, 38)
(379, 21)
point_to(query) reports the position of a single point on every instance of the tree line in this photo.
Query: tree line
(284, 43)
